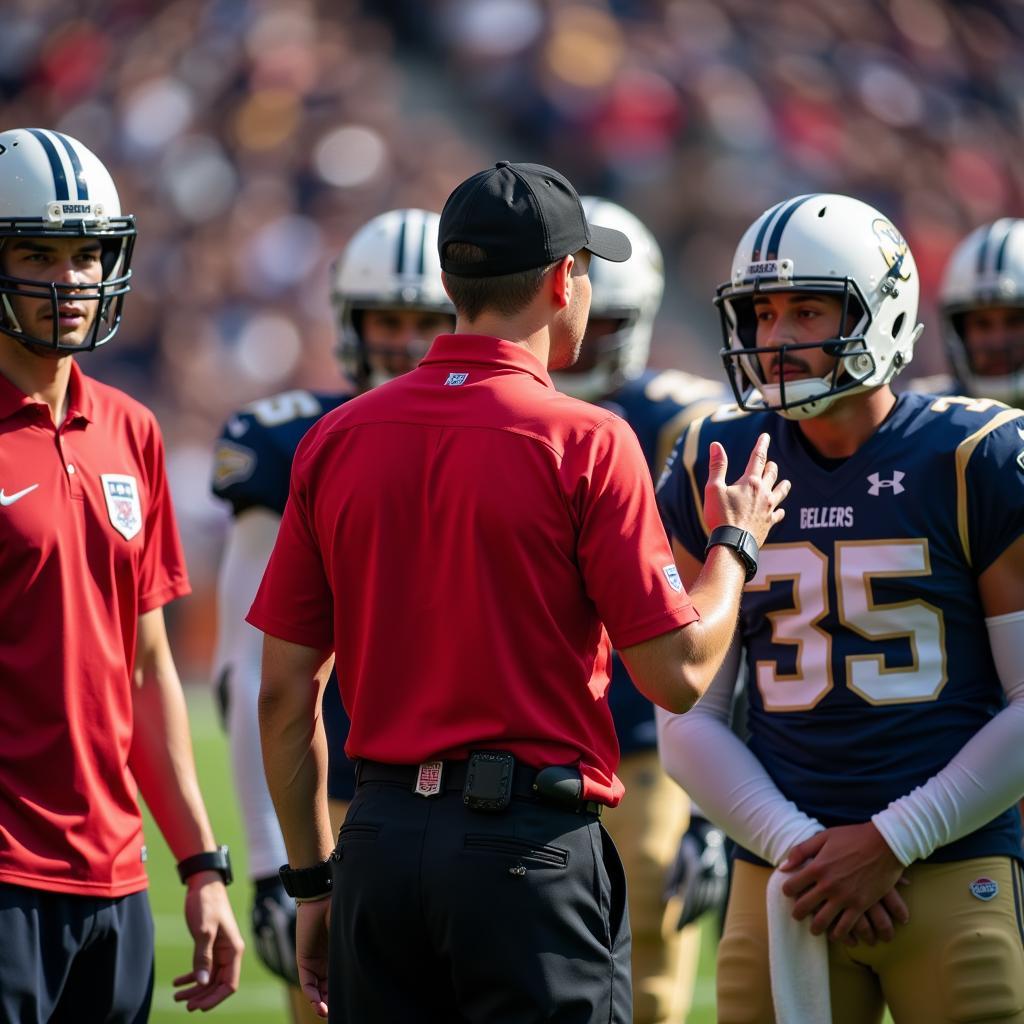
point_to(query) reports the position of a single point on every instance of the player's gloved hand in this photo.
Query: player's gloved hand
(273, 928)
(699, 879)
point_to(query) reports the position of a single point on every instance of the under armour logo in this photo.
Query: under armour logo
(877, 483)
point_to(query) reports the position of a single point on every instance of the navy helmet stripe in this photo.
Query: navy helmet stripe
(422, 250)
(76, 165)
(60, 181)
(983, 250)
(755, 256)
(1001, 255)
(780, 225)
(400, 265)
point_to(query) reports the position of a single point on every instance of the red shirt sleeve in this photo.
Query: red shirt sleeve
(295, 601)
(162, 573)
(624, 554)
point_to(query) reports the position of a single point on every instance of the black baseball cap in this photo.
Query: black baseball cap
(522, 216)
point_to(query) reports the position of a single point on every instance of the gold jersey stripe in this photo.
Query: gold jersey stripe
(964, 451)
(690, 451)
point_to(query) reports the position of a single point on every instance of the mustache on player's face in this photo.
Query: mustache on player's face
(787, 365)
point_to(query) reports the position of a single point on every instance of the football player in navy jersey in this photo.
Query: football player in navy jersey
(883, 628)
(389, 305)
(647, 825)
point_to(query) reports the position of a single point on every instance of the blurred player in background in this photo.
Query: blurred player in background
(884, 629)
(91, 707)
(982, 305)
(646, 827)
(389, 305)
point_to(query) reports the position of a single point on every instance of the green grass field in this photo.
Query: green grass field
(260, 998)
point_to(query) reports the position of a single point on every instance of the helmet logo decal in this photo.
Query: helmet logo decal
(893, 247)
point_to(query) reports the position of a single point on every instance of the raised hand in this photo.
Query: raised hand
(752, 502)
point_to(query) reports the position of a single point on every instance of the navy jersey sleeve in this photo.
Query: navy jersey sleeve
(253, 455)
(990, 466)
(681, 489)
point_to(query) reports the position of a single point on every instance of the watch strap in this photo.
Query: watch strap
(741, 542)
(218, 860)
(308, 883)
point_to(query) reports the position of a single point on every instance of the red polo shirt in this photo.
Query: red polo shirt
(462, 537)
(87, 543)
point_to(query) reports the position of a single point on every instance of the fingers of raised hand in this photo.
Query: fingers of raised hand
(718, 463)
(758, 457)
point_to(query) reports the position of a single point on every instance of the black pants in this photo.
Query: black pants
(442, 915)
(67, 958)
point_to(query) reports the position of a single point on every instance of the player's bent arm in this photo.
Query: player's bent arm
(294, 746)
(737, 795)
(986, 776)
(239, 651)
(674, 669)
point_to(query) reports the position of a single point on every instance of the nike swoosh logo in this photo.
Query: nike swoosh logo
(10, 499)
(1021, 433)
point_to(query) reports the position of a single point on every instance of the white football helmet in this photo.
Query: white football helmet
(628, 293)
(986, 270)
(389, 263)
(51, 186)
(822, 243)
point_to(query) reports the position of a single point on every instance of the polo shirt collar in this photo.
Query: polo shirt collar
(80, 400)
(484, 350)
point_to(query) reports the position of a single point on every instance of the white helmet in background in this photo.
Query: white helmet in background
(832, 244)
(389, 263)
(628, 293)
(51, 186)
(986, 270)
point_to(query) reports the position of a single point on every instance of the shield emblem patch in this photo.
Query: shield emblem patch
(123, 506)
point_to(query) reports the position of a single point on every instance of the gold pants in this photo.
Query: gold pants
(960, 959)
(646, 828)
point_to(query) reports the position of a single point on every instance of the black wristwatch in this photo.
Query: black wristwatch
(741, 542)
(307, 883)
(218, 860)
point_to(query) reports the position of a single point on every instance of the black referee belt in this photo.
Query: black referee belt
(453, 777)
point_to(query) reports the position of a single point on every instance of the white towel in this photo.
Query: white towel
(798, 962)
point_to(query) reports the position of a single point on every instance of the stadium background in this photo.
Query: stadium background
(251, 138)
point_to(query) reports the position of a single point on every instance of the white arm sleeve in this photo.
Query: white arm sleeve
(239, 651)
(702, 753)
(983, 779)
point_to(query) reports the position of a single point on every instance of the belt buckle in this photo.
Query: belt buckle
(428, 778)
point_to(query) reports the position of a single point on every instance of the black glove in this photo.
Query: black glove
(273, 928)
(699, 879)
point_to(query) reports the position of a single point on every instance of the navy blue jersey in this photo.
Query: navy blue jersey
(657, 405)
(868, 663)
(251, 469)
(252, 460)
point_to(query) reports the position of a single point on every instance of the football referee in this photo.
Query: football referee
(468, 543)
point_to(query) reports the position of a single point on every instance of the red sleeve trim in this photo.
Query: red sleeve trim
(288, 631)
(164, 595)
(682, 615)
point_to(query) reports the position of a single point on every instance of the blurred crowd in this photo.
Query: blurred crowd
(251, 137)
